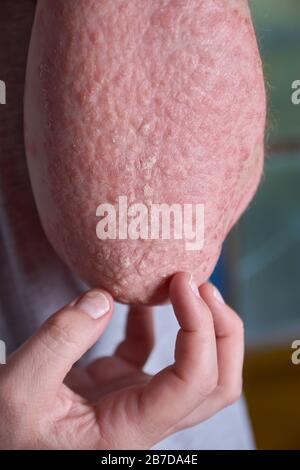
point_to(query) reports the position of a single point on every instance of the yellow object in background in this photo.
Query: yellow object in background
(272, 388)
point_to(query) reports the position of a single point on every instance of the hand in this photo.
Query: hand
(112, 404)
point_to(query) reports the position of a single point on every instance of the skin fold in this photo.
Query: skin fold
(161, 102)
(40, 406)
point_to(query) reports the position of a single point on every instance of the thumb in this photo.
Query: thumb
(43, 362)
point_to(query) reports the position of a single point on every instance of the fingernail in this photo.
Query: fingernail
(218, 296)
(94, 303)
(194, 287)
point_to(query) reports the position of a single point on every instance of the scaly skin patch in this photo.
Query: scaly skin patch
(162, 102)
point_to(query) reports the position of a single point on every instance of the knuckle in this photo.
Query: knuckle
(58, 334)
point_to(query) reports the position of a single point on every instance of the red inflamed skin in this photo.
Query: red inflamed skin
(161, 102)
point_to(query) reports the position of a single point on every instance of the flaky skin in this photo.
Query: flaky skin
(160, 101)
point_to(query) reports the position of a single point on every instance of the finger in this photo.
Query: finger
(44, 360)
(139, 336)
(230, 349)
(230, 344)
(180, 388)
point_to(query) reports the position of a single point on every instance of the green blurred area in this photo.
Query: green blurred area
(277, 25)
(267, 240)
(268, 265)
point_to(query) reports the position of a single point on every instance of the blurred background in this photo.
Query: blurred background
(262, 256)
